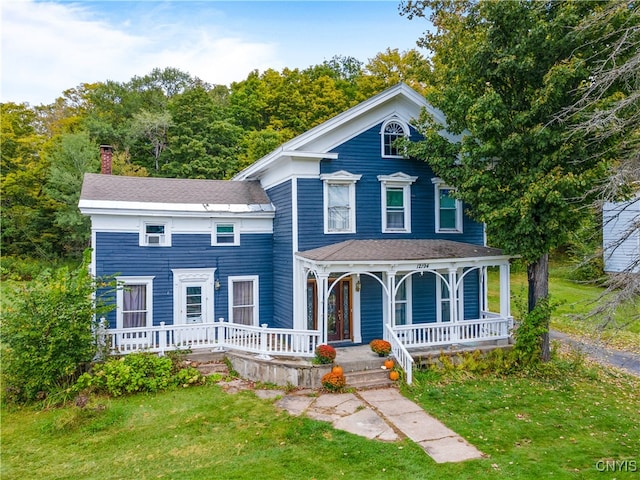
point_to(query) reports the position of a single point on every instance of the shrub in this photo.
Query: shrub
(137, 373)
(47, 333)
(381, 347)
(334, 382)
(325, 354)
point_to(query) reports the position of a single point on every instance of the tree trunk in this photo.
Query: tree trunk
(538, 277)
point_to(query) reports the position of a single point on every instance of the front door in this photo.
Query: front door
(339, 310)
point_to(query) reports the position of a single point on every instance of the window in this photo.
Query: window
(134, 300)
(396, 202)
(225, 234)
(155, 235)
(193, 295)
(243, 300)
(339, 202)
(392, 131)
(448, 209)
(395, 209)
(443, 301)
(403, 302)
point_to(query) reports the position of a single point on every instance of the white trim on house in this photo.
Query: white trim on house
(406, 132)
(256, 296)
(123, 282)
(155, 233)
(439, 185)
(89, 207)
(216, 235)
(187, 277)
(345, 179)
(396, 181)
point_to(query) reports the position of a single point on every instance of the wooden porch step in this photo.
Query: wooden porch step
(363, 379)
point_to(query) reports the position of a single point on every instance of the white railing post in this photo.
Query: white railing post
(162, 340)
(402, 355)
(101, 339)
(264, 350)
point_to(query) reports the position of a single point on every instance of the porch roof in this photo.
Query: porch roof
(398, 251)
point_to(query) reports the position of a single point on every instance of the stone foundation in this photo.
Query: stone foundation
(278, 371)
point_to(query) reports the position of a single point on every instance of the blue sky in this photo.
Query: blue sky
(50, 46)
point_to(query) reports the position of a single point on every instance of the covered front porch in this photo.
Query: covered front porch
(416, 294)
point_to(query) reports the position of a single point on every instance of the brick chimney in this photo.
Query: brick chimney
(106, 154)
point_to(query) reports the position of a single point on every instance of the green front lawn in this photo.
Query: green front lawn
(575, 300)
(559, 427)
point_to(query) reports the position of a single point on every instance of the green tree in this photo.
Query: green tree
(501, 71)
(27, 213)
(47, 332)
(391, 67)
(70, 157)
(202, 144)
(152, 127)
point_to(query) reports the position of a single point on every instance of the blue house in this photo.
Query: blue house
(335, 237)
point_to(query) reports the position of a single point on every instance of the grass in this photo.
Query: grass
(575, 301)
(554, 426)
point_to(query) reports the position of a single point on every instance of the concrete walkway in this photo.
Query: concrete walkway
(381, 414)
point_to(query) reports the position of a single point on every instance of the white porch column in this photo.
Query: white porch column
(322, 280)
(453, 295)
(453, 303)
(391, 304)
(505, 289)
(484, 292)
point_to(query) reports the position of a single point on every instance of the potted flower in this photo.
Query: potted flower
(334, 382)
(325, 354)
(381, 347)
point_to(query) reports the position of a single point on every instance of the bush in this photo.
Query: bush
(137, 373)
(47, 333)
(325, 354)
(381, 347)
(334, 382)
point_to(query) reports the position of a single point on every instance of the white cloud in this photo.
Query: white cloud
(50, 47)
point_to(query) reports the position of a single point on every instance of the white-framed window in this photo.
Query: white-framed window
(193, 295)
(443, 301)
(225, 234)
(134, 302)
(448, 209)
(155, 234)
(396, 202)
(243, 300)
(340, 202)
(392, 130)
(403, 303)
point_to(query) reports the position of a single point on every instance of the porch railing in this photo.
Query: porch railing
(217, 335)
(400, 353)
(493, 327)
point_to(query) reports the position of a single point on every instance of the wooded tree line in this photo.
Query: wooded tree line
(166, 123)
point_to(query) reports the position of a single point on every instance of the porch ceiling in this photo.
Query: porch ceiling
(398, 251)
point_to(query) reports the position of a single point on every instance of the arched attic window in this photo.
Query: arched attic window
(392, 130)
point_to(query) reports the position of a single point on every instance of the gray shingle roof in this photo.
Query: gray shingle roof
(397, 250)
(171, 190)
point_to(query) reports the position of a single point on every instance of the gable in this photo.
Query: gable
(301, 155)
